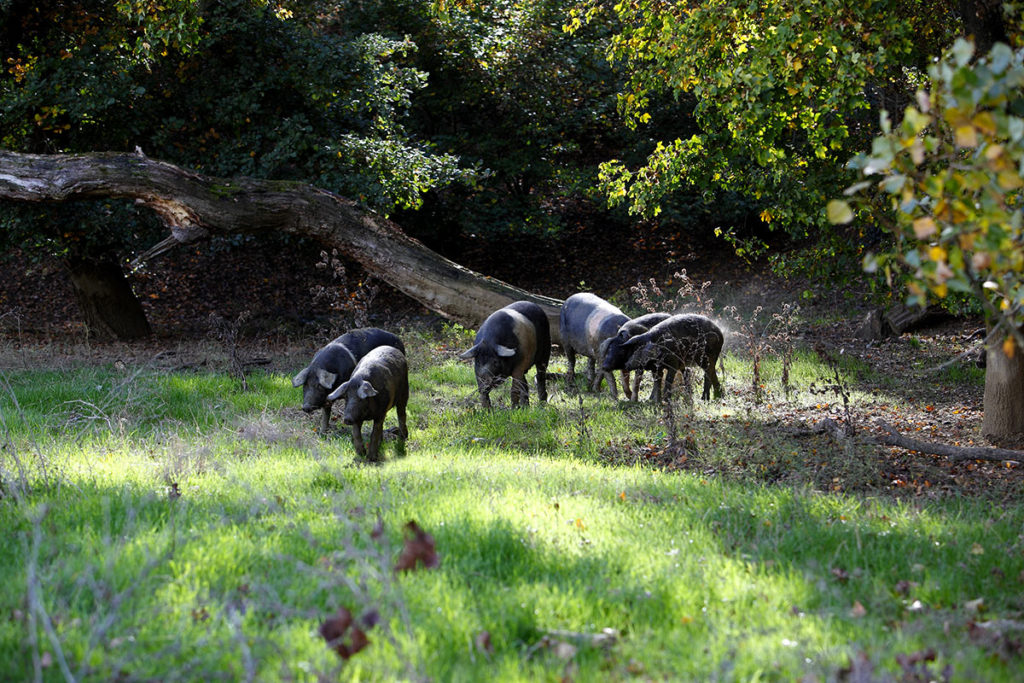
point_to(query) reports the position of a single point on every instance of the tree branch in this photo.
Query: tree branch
(894, 438)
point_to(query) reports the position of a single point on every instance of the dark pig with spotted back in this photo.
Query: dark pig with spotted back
(333, 364)
(379, 382)
(675, 343)
(614, 356)
(509, 342)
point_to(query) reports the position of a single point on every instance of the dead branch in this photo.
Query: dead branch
(894, 438)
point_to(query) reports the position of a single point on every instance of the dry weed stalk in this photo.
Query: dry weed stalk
(353, 302)
(697, 299)
(761, 337)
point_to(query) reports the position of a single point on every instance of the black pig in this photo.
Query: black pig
(586, 320)
(334, 364)
(613, 355)
(673, 344)
(379, 382)
(508, 343)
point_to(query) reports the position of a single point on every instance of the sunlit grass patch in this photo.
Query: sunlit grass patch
(194, 528)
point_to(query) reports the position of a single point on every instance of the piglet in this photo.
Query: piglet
(334, 363)
(614, 355)
(675, 343)
(379, 382)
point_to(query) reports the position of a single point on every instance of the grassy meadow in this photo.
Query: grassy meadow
(170, 523)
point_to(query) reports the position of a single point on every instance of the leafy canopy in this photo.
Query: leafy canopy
(950, 177)
(779, 91)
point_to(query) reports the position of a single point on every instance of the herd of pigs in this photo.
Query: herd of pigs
(367, 366)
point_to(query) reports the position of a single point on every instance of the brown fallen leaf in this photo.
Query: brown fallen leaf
(418, 549)
(858, 610)
(483, 643)
(335, 629)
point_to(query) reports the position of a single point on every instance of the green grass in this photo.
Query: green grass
(171, 526)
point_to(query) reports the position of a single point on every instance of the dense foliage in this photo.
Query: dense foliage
(229, 88)
(781, 93)
(950, 180)
(711, 116)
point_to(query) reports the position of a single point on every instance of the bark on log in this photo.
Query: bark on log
(194, 206)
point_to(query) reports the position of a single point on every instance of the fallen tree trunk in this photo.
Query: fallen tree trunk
(194, 206)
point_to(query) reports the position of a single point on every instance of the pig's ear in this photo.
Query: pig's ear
(300, 378)
(466, 355)
(325, 378)
(504, 351)
(632, 341)
(366, 390)
(337, 393)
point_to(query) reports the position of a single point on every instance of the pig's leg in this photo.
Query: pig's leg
(570, 361)
(670, 374)
(325, 421)
(403, 428)
(376, 436)
(593, 376)
(634, 395)
(711, 380)
(542, 383)
(625, 382)
(520, 391)
(659, 375)
(357, 439)
(612, 386)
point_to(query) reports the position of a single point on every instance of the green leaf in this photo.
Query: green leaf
(839, 212)
(962, 52)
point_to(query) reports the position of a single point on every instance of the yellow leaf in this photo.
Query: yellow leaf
(924, 227)
(797, 65)
(766, 216)
(966, 136)
(985, 123)
(1008, 180)
(976, 549)
(1008, 348)
(937, 253)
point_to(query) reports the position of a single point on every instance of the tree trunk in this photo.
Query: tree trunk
(1003, 422)
(984, 21)
(194, 206)
(109, 307)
